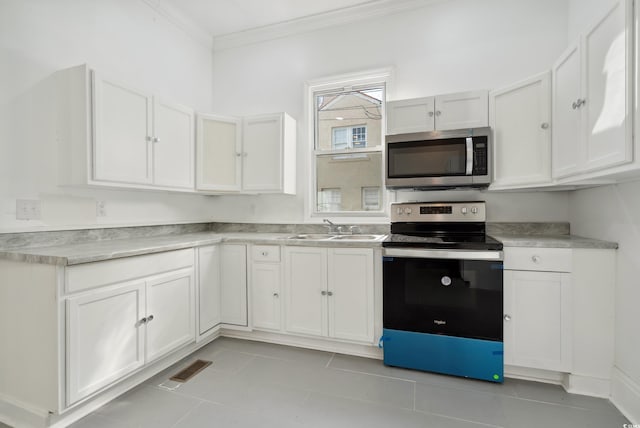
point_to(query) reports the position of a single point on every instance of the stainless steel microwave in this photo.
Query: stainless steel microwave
(439, 159)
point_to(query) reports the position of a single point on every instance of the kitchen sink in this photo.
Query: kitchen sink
(357, 237)
(311, 236)
(326, 237)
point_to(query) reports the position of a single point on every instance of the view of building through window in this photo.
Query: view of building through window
(348, 149)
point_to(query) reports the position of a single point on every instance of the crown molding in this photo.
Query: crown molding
(188, 26)
(318, 21)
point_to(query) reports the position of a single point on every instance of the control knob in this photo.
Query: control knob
(463, 210)
(474, 210)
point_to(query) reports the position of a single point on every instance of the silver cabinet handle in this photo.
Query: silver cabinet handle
(150, 318)
(149, 139)
(574, 105)
(156, 140)
(330, 293)
(276, 295)
(507, 317)
(430, 114)
(438, 112)
(264, 253)
(324, 293)
(535, 259)
(578, 103)
(238, 154)
(544, 125)
(143, 320)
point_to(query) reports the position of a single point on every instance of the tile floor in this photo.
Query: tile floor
(253, 384)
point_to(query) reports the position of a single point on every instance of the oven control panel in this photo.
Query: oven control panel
(474, 211)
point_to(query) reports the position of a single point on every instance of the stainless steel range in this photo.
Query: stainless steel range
(443, 291)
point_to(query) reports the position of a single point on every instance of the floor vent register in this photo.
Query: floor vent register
(190, 371)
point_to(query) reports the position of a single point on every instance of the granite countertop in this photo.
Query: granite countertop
(93, 251)
(552, 241)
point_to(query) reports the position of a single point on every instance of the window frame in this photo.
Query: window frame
(345, 82)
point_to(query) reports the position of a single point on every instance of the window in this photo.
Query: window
(349, 137)
(329, 200)
(348, 117)
(370, 198)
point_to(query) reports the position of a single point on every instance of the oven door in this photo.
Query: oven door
(453, 293)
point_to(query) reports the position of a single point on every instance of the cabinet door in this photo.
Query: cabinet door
(407, 116)
(208, 288)
(233, 292)
(262, 155)
(520, 116)
(462, 110)
(265, 295)
(105, 339)
(566, 149)
(306, 290)
(170, 312)
(173, 143)
(350, 294)
(122, 133)
(219, 153)
(537, 323)
(608, 70)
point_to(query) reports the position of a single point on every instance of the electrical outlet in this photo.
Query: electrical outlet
(101, 209)
(28, 209)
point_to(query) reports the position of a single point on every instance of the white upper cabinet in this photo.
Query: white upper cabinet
(256, 154)
(173, 144)
(110, 134)
(269, 154)
(592, 100)
(520, 117)
(407, 116)
(443, 112)
(122, 126)
(219, 153)
(462, 110)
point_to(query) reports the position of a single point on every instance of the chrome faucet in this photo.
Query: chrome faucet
(333, 228)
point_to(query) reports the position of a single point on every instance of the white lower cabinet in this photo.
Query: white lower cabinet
(537, 327)
(209, 284)
(116, 328)
(105, 340)
(170, 312)
(329, 292)
(233, 284)
(266, 277)
(537, 308)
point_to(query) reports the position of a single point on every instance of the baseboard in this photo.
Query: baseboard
(19, 415)
(587, 385)
(536, 375)
(321, 344)
(625, 395)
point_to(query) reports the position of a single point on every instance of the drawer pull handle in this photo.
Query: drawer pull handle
(265, 253)
(275, 295)
(150, 318)
(143, 321)
(507, 317)
(330, 293)
(324, 293)
(535, 259)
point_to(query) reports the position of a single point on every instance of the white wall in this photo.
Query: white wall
(611, 213)
(125, 39)
(449, 46)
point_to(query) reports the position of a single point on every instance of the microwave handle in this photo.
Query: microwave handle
(469, 156)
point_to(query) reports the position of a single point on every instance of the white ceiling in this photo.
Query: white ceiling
(222, 17)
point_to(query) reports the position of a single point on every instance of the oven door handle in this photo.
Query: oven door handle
(469, 170)
(444, 254)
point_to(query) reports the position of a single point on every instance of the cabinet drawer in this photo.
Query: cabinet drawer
(265, 253)
(91, 275)
(538, 259)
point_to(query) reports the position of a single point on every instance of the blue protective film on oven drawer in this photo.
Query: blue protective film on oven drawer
(458, 356)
